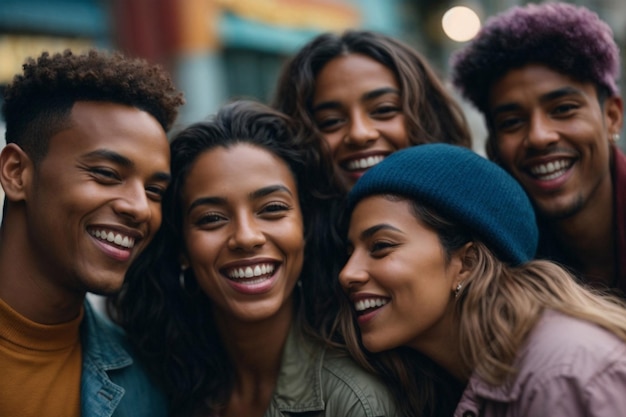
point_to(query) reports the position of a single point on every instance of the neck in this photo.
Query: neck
(442, 345)
(25, 284)
(255, 349)
(588, 238)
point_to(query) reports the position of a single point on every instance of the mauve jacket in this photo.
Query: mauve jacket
(567, 368)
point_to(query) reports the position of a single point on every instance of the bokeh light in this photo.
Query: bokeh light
(460, 23)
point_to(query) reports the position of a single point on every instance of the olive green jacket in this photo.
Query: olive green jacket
(322, 382)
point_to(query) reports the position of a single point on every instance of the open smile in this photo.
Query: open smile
(113, 237)
(250, 274)
(550, 170)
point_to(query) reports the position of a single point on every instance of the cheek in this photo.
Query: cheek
(333, 141)
(201, 247)
(157, 217)
(400, 136)
(506, 148)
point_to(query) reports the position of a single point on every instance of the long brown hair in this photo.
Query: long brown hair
(431, 113)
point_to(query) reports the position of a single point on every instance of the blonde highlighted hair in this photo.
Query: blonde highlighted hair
(496, 308)
(499, 305)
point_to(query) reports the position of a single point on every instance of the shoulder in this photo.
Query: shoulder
(109, 364)
(564, 348)
(568, 367)
(348, 384)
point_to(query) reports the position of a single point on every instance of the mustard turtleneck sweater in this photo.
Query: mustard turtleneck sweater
(40, 366)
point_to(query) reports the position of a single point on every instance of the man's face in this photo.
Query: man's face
(94, 201)
(552, 134)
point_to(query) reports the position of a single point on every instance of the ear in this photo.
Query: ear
(16, 172)
(613, 113)
(463, 261)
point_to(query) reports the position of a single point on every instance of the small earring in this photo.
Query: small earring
(615, 137)
(181, 277)
(457, 290)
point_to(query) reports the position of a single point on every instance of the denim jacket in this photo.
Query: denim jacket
(111, 384)
(316, 382)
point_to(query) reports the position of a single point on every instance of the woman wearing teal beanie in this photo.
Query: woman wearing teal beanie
(441, 245)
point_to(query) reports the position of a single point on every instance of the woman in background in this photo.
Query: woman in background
(366, 95)
(441, 245)
(217, 308)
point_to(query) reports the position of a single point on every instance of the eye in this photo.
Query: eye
(380, 248)
(329, 124)
(105, 175)
(211, 220)
(386, 111)
(508, 124)
(564, 109)
(274, 210)
(155, 192)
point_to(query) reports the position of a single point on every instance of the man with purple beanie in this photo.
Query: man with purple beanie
(545, 78)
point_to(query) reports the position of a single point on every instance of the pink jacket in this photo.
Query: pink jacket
(568, 368)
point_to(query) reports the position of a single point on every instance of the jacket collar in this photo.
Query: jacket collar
(102, 342)
(299, 386)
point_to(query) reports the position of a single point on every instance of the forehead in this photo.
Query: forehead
(236, 170)
(124, 130)
(345, 71)
(376, 209)
(535, 81)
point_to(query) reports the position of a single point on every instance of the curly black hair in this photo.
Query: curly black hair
(171, 326)
(37, 104)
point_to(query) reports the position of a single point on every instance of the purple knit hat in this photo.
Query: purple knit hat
(569, 39)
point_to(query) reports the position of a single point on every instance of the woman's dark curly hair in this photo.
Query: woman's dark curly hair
(569, 39)
(432, 115)
(38, 103)
(170, 325)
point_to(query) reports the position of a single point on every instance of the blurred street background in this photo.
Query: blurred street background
(221, 49)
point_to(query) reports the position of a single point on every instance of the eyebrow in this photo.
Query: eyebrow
(365, 97)
(261, 192)
(123, 161)
(552, 95)
(370, 231)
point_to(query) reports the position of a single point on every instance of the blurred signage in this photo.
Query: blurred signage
(299, 14)
(14, 49)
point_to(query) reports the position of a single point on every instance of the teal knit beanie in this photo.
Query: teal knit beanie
(463, 187)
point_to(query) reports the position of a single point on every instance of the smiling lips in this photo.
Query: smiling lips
(363, 163)
(126, 242)
(550, 170)
(252, 274)
(366, 305)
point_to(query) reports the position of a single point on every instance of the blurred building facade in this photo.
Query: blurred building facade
(221, 49)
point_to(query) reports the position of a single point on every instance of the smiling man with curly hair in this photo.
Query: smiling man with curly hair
(545, 78)
(84, 169)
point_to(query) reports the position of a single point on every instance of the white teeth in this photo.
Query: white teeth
(369, 303)
(251, 272)
(118, 239)
(364, 163)
(551, 170)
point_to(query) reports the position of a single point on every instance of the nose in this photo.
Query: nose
(353, 274)
(134, 204)
(362, 130)
(541, 132)
(246, 234)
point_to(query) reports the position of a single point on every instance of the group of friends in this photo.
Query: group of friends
(306, 257)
